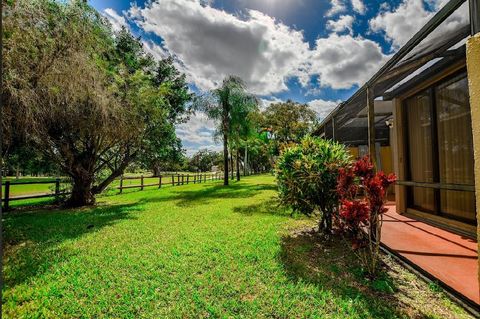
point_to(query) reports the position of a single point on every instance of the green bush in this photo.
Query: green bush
(307, 177)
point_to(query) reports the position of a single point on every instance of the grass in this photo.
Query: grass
(196, 251)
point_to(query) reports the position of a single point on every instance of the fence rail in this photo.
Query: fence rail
(174, 180)
(7, 198)
(169, 179)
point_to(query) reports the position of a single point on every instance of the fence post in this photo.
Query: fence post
(160, 181)
(7, 195)
(173, 180)
(178, 179)
(188, 178)
(121, 184)
(204, 178)
(183, 179)
(57, 188)
(141, 183)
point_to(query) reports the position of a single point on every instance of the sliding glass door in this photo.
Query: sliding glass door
(440, 150)
(419, 113)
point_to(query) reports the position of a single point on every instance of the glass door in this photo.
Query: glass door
(440, 151)
(419, 119)
(455, 147)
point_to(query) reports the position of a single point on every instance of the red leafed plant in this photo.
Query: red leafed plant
(362, 194)
(353, 213)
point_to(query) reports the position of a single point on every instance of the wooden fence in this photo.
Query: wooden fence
(174, 180)
(7, 198)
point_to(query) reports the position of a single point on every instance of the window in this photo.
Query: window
(440, 150)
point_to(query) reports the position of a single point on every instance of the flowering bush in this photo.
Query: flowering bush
(365, 213)
(307, 177)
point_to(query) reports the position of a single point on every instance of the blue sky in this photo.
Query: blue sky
(310, 51)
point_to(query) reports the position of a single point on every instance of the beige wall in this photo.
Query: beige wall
(473, 69)
(386, 157)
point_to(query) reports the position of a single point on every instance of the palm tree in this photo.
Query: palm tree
(229, 106)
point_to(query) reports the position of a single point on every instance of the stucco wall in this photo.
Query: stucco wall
(473, 68)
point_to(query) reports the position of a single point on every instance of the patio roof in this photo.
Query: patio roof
(438, 43)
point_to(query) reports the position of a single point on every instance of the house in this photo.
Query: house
(419, 116)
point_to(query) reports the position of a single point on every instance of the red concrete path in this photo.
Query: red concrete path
(451, 258)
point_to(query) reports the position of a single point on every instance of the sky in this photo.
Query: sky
(317, 52)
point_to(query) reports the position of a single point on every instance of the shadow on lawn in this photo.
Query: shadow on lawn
(330, 264)
(269, 207)
(187, 198)
(33, 239)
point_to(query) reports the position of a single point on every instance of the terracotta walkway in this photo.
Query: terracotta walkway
(451, 258)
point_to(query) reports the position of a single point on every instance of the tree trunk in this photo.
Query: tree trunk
(82, 194)
(245, 161)
(238, 165)
(156, 170)
(107, 181)
(225, 159)
(231, 164)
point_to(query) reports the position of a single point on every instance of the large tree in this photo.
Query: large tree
(93, 101)
(227, 106)
(204, 160)
(287, 122)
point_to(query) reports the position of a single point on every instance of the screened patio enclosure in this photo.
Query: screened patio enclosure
(413, 117)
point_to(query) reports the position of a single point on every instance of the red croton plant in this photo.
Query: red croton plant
(363, 193)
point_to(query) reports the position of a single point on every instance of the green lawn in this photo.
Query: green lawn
(196, 251)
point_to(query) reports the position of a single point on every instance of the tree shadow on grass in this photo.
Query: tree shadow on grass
(205, 195)
(268, 207)
(33, 239)
(331, 265)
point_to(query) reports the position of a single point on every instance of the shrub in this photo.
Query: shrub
(307, 177)
(364, 213)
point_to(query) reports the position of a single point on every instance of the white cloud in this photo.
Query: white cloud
(323, 107)
(117, 21)
(401, 23)
(338, 6)
(197, 133)
(199, 129)
(213, 44)
(155, 50)
(385, 6)
(265, 102)
(358, 6)
(343, 61)
(344, 23)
